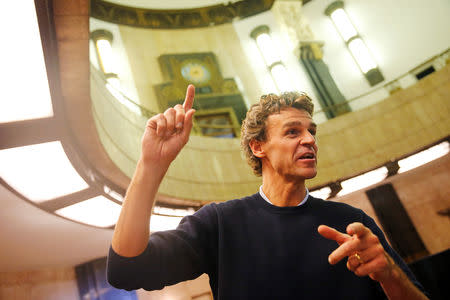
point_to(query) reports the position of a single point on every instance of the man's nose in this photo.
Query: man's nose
(308, 138)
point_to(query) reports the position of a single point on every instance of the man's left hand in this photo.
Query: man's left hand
(366, 255)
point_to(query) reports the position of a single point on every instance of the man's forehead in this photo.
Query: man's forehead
(291, 117)
(308, 123)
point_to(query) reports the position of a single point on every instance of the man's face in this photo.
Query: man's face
(290, 148)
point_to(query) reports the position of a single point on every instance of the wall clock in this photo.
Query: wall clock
(212, 91)
(196, 72)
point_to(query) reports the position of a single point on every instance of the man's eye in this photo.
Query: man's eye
(292, 131)
(313, 132)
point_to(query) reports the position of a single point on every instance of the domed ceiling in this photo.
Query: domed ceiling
(175, 14)
(31, 230)
(170, 4)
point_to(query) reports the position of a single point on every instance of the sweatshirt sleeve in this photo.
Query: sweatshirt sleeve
(170, 257)
(370, 223)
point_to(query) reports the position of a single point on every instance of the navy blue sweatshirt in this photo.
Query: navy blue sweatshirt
(254, 250)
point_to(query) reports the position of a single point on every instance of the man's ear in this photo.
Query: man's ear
(256, 147)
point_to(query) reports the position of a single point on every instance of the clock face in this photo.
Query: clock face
(195, 72)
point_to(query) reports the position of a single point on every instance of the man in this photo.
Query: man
(270, 245)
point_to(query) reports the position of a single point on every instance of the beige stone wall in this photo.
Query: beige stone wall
(48, 284)
(144, 46)
(406, 121)
(423, 192)
(207, 169)
(210, 169)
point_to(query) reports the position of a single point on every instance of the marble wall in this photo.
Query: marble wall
(210, 169)
(144, 46)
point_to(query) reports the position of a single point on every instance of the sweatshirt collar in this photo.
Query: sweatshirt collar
(267, 199)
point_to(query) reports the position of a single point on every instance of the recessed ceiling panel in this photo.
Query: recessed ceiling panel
(160, 223)
(23, 77)
(98, 211)
(423, 157)
(40, 172)
(322, 193)
(362, 181)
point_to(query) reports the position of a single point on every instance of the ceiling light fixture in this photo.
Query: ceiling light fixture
(113, 194)
(40, 172)
(178, 212)
(23, 45)
(363, 181)
(97, 211)
(354, 42)
(322, 193)
(423, 157)
(105, 56)
(268, 51)
(161, 223)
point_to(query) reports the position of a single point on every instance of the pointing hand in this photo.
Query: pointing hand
(167, 133)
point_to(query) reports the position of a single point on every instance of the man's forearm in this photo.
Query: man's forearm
(399, 287)
(164, 136)
(132, 229)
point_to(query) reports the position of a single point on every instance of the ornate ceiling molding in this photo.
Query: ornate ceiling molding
(175, 19)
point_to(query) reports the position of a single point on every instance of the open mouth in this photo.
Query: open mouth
(307, 156)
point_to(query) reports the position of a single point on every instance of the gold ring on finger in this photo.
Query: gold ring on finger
(358, 258)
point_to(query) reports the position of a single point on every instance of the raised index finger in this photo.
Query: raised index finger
(189, 100)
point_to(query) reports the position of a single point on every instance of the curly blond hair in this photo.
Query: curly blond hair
(254, 125)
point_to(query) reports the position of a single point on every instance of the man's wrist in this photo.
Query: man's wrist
(393, 274)
(398, 286)
(155, 170)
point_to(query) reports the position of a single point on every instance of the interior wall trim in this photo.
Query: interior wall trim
(28, 132)
(177, 19)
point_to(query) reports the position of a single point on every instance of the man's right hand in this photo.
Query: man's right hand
(161, 142)
(166, 134)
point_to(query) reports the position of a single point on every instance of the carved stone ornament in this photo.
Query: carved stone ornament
(291, 20)
(181, 18)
